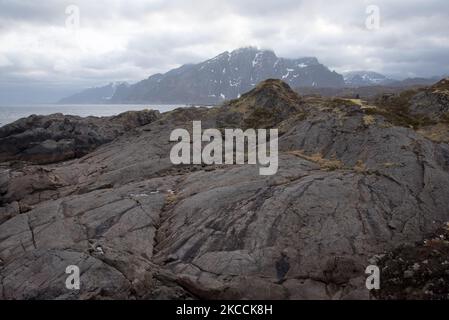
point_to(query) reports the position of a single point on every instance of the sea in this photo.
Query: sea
(12, 113)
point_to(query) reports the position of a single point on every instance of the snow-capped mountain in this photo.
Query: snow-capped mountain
(226, 76)
(365, 78)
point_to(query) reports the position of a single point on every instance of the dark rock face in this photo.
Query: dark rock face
(351, 185)
(224, 77)
(432, 102)
(47, 139)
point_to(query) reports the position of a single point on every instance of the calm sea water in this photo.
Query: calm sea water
(10, 114)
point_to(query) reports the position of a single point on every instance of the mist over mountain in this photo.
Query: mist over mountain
(223, 77)
(365, 78)
(95, 95)
(370, 78)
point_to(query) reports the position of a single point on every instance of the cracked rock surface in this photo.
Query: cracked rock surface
(351, 185)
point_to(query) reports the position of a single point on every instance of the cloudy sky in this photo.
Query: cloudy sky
(46, 54)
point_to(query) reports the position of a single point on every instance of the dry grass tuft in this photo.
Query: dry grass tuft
(325, 164)
(368, 120)
(359, 167)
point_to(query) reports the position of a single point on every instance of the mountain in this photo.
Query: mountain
(224, 77)
(355, 79)
(410, 82)
(94, 95)
(365, 78)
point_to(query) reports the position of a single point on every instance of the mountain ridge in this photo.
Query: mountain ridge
(223, 77)
(232, 73)
(363, 78)
(95, 95)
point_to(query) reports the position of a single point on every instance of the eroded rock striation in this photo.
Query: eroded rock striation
(353, 183)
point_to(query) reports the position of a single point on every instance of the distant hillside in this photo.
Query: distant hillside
(94, 95)
(365, 78)
(416, 82)
(355, 79)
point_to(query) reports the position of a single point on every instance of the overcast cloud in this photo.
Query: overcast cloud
(130, 40)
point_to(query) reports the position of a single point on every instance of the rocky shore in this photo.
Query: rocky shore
(355, 181)
(57, 137)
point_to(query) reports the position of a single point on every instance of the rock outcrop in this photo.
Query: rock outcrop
(57, 137)
(424, 109)
(351, 184)
(432, 102)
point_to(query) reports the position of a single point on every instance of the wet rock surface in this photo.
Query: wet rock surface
(351, 185)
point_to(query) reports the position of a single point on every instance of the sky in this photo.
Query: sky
(53, 48)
